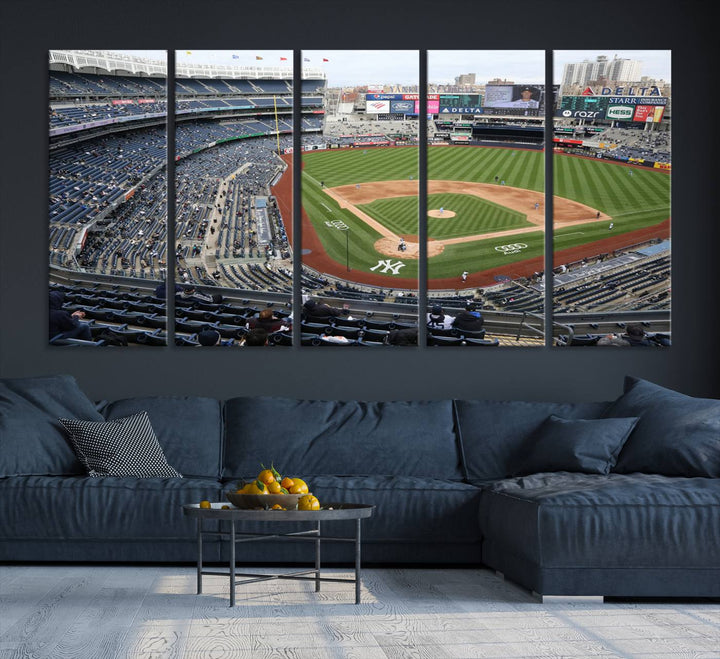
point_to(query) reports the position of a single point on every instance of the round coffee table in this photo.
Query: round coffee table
(329, 513)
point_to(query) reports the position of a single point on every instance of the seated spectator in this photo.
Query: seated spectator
(635, 336)
(256, 337)
(161, 290)
(267, 321)
(437, 318)
(612, 340)
(66, 325)
(189, 292)
(209, 337)
(403, 337)
(318, 309)
(469, 319)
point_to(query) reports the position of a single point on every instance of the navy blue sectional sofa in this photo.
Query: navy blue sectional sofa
(614, 498)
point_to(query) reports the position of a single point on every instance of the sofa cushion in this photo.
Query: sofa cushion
(566, 520)
(677, 435)
(313, 437)
(408, 509)
(189, 429)
(581, 445)
(493, 434)
(121, 447)
(32, 440)
(102, 509)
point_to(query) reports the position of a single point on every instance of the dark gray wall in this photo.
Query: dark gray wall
(30, 28)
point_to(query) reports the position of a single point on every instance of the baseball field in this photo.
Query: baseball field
(485, 212)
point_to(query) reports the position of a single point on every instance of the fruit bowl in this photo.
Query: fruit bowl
(250, 501)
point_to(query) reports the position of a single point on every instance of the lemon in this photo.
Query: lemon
(205, 504)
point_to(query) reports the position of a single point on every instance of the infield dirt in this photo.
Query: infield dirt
(565, 211)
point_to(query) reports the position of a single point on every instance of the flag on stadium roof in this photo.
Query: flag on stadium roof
(283, 59)
(188, 52)
(306, 59)
(236, 56)
(258, 57)
(325, 59)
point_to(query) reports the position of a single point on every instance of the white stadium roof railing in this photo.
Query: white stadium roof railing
(109, 61)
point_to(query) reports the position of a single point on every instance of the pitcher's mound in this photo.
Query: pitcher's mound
(438, 213)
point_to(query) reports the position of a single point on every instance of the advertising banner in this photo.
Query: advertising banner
(651, 114)
(620, 112)
(597, 107)
(403, 107)
(454, 110)
(378, 107)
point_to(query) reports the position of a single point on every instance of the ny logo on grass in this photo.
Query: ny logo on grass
(388, 265)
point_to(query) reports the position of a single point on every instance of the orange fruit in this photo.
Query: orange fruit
(299, 487)
(256, 487)
(277, 506)
(274, 487)
(205, 504)
(287, 482)
(266, 476)
(308, 502)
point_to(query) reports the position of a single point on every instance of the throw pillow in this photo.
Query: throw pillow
(32, 442)
(121, 447)
(677, 435)
(589, 446)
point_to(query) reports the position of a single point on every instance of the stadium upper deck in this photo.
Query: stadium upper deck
(89, 89)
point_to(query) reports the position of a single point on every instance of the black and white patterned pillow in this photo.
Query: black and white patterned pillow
(121, 447)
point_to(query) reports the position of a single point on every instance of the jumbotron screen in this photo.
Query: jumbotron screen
(515, 96)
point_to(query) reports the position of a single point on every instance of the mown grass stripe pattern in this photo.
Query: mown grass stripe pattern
(634, 200)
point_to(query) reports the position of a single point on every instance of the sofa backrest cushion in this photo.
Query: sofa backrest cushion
(314, 437)
(32, 440)
(188, 428)
(677, 435)
(493, 434)
(588, 446)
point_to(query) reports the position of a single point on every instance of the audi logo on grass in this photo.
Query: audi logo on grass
(512, 248)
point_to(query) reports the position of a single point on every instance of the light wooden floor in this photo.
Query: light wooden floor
(84, 612)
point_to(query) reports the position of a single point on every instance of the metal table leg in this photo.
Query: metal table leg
(200, 556)
(317, 560)
(357, 561)
(232, 562)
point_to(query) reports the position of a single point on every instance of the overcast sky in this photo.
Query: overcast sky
(362, 67)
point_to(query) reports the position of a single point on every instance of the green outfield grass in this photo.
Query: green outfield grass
(632, 200)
